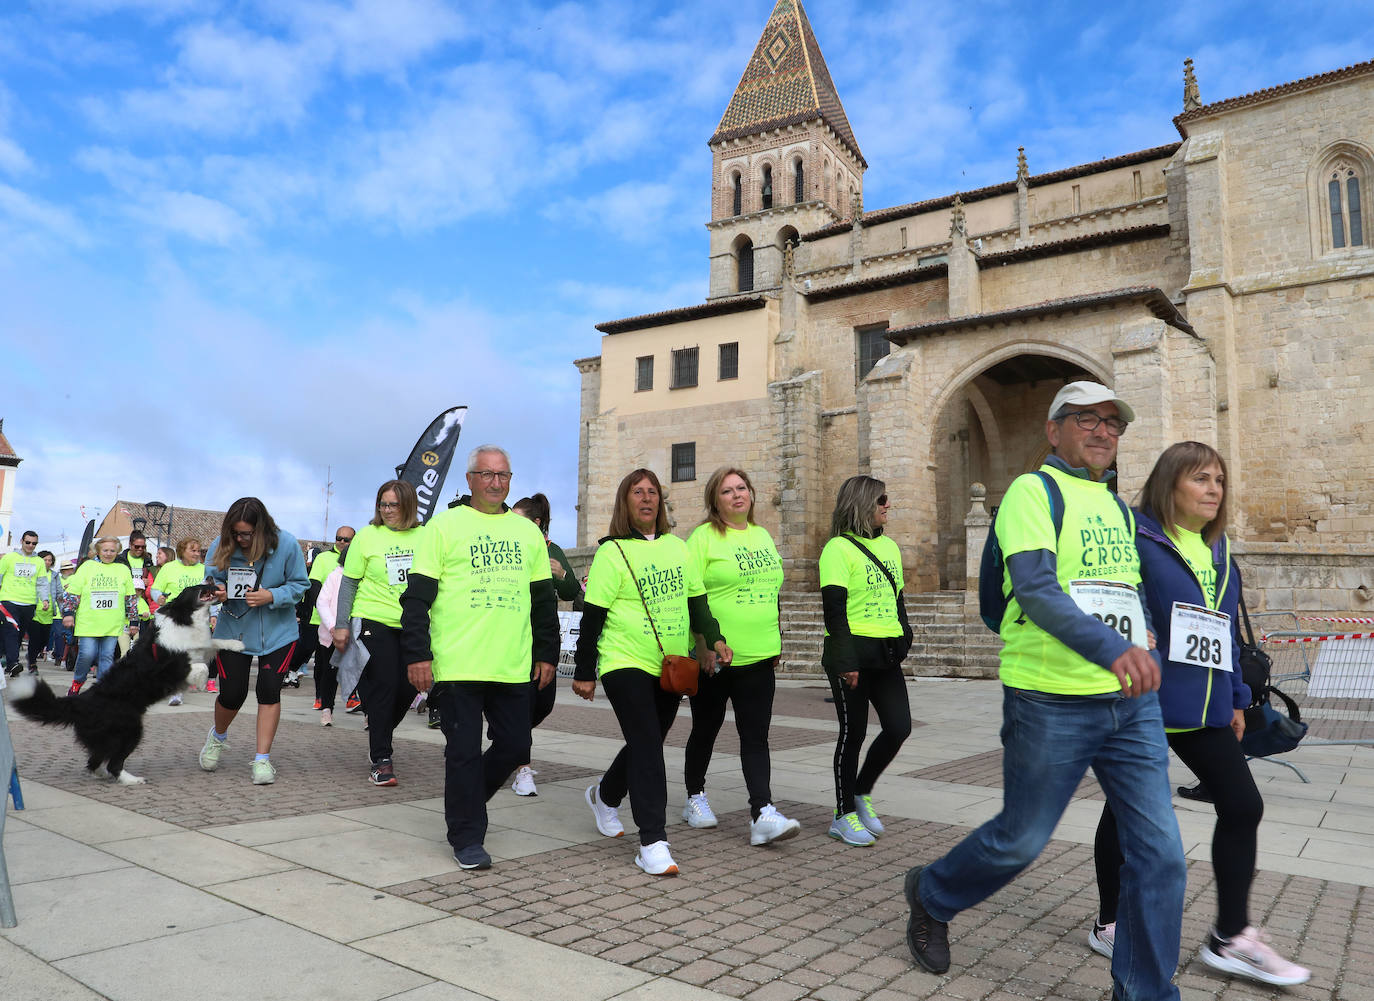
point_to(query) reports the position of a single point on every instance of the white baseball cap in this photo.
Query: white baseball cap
(1088, 393)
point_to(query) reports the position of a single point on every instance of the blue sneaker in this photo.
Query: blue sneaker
(851, 831)
(863, 806)
(472, 857)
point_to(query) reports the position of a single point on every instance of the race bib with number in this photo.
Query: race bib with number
(1114, 604)
(398, 568)
(1200, 636)
(104, 601)
(137, 575)
(241, 581)
(24, 570)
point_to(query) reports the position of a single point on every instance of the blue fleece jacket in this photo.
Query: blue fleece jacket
(269, 627)
(1189, 696)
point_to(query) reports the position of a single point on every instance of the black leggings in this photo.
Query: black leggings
(749, 689)
(384, 686)
(232, 669)
(885, 690)
(646, 713)
(326, 677)
(38, 640)
(1212, 754)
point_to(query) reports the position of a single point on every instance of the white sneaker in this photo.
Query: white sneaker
(524, 781)
(655, 860)
(697, 812)
(326, 717)
(607, 817)
(1246, 954)
(175, 700)
(772, 826)
(1102, 939)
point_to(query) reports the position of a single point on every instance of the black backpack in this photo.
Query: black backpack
(1267, 731)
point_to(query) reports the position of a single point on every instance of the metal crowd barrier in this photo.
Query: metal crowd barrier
(1329, 672)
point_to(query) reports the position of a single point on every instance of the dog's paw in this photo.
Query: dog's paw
(23, 687)
(130, 779)
(233, 646)
(197, 676)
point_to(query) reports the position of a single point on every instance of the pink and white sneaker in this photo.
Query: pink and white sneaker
(1246, 954)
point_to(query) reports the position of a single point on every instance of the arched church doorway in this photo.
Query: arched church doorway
(990, 430)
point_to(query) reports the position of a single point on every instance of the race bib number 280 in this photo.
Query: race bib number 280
(1114, 604)
(104, 601)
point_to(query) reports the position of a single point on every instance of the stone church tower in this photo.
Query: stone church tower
(784, 158)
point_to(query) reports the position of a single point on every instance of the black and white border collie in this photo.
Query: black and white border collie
(107, 718)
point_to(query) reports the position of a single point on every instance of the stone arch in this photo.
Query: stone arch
(1355, 162)
(987, 427)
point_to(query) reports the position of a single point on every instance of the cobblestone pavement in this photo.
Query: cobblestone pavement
(807, 918)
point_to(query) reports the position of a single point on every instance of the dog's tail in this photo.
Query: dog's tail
(34, 699)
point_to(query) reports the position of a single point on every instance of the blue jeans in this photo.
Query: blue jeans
(101, 649)
(1049, 742)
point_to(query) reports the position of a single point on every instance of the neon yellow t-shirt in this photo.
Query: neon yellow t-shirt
(1198, 555)
(871, 605)
(102, 588)
(174, 577)
(380, 560)
(1096, 545)
(742, 574)
(479, 624)
(320, 569)
(668, 577)
(22, 574)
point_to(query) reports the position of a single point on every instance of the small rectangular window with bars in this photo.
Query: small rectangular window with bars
(728, 366)
(684, 461)
(644, 373)
(684, 368)
(871, 344)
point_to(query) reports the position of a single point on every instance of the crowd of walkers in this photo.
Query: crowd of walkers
(1119, 643)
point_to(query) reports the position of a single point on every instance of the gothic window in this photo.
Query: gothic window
(871, 344)
(767, 193)
(798, 181)
(1343, 201)
(684, 368)
(744, 265)
(1338, 180)
(737, 195)
(825, 189)
(684, 461)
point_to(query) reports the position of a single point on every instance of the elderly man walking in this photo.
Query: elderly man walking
(479, 608)
(1079, 692)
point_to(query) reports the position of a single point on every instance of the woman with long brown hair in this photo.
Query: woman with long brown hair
(1193, 589)
(374, 578)
(259, 573)
(642, 590)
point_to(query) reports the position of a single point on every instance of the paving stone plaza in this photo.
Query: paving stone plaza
(323, 886)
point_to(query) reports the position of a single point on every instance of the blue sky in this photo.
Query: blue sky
(244, 241)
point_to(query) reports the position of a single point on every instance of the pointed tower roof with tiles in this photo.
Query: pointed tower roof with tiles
(786, 83)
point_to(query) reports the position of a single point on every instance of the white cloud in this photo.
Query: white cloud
(376, 36)
(31, 217)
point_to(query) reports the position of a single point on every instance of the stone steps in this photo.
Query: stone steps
(946, 644)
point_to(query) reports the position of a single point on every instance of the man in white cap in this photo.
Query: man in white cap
(1079, 692)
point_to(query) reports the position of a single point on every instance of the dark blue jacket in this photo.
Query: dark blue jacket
(1190, 696)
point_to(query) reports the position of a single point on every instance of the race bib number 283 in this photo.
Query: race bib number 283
(1200, 636)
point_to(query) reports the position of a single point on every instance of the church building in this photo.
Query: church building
(1223, 283)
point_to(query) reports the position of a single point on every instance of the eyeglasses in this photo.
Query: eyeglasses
(1089, 421)
(346, 538)
(242, 535)
(138, 545)
(388, 505)
(882, 500)
(487, 475)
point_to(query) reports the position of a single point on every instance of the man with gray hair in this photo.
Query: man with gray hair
(1079, 691)
(478, 610)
